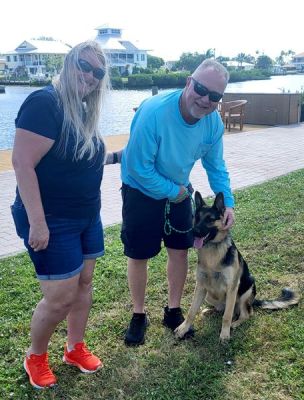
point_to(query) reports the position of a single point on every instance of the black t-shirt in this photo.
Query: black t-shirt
(69, 188)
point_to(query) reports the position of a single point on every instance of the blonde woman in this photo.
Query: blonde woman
(58, 158)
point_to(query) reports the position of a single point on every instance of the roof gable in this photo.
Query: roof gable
(38, 46)
(25, 46)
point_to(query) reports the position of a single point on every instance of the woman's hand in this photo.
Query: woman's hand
(39, 236)
(113, 158)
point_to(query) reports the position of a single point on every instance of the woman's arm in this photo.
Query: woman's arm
(29, 148)
(113, 158)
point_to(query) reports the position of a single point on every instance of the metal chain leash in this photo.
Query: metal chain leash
(168, 228)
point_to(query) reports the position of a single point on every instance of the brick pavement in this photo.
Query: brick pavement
(252, 157)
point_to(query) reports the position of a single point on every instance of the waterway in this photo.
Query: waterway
(118, 111)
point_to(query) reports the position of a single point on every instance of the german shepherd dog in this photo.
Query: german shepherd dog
(223, 278)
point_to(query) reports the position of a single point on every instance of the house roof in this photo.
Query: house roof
(110, 43)
(128, 45)
(298, 55)
(41, 47)
(106, 26)
(238, 64)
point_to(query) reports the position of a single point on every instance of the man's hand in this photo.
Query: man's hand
(182, 195)
(229, 217)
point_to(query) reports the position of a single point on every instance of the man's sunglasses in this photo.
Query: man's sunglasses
(201, 90)
(86, 67)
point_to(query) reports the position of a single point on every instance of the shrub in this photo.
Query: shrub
(140, 81)
(254, 74)
(117, 82)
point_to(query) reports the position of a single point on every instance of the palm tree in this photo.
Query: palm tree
(240, 58)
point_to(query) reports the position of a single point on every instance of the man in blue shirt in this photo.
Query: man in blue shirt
(169, 133)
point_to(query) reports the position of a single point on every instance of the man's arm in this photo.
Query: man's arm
(218, 178)
(217, 173)
(140, 156)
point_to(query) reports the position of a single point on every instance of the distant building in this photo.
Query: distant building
(298, 62)
(31, 56)
(2, 65)
(121, 53)
(168, 65)
(277, 69)
(239, 65)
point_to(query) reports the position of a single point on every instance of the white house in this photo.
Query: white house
(32, 54)
(239, 65)
(298, 62)
(2, 65)
(121, 53)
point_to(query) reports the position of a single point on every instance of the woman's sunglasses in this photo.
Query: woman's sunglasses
(86, 67)
(201, 90)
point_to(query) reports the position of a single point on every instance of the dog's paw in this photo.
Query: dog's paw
(236, 323)
(181, 330)
(224, 336)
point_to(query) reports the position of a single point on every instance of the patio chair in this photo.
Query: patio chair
(232, 112)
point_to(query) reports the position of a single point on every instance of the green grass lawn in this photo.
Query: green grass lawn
(264, 360)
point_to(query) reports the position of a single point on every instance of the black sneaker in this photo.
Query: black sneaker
(135, 334)
(173, 317)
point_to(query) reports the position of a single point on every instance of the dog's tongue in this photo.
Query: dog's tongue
(198, 242)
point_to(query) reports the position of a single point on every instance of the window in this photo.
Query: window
(143, 57)
(15, 58)
(8, 58)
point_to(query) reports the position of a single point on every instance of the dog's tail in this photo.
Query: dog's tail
(287, 299)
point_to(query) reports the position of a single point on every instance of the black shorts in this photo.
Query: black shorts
(143, 224)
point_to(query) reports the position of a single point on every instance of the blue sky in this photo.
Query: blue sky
(168, 27)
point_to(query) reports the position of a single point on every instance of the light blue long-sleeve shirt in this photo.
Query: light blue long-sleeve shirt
(163, 148)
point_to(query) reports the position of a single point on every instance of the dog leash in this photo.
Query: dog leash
(168, 228)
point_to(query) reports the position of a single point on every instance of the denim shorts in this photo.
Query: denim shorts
(71, 242)
(143, 224)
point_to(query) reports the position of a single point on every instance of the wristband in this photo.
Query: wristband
(115, 158)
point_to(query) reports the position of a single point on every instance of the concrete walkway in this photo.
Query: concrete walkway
(252, 157)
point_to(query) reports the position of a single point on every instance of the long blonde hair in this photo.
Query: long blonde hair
(81, 116)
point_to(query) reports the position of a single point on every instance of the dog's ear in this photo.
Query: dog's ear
(219, 202)
(199, 202)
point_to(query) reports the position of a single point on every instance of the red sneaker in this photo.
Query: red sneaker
(82, 358)
(39, 372)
